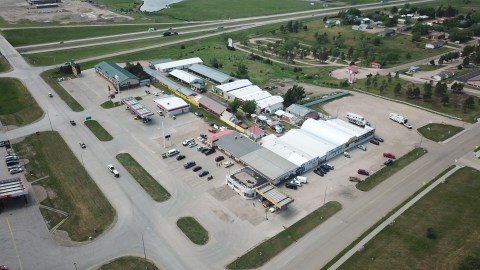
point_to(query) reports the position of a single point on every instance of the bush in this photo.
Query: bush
(431, 234)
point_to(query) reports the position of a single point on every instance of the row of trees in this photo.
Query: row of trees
(293, 27)
(137, 70)
(248, 107)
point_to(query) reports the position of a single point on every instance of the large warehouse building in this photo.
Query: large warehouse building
(120, 78)
(191, 80)
(179, 64)
(211, 74)
(224, 88)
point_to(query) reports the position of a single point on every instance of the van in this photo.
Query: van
(301, 179)
(172, 152)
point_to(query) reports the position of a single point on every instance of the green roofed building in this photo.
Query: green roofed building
(119, 77)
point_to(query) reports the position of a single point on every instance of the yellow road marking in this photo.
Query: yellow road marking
(14, 245)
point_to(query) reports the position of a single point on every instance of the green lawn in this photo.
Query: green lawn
(50, 77)
(454, 107)
(387, 171)
(110, 104)
(4, 65)
(268, 249)
(69, 187)
(430, 67)
(450, 210)
(17, 106)
(439, 132)
(98, 130)
(193, 230)
(128, 263)
(156, 191)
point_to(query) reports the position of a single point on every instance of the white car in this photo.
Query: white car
(407, 125)
(16, 170)
(297, 183)
(272, 209)
(360, 146)
(192, 144)
(228, 164)
(187, 142)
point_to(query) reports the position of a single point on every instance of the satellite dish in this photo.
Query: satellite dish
(230, 42)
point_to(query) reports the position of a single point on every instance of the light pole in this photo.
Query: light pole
(144, 252)
(75, 264)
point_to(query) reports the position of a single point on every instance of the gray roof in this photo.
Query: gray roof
(298, 110)
(275, 195)
(237, 144)
(210, 73)
(268, 163)
(169, 83)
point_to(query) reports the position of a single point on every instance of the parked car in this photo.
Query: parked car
(198, 114)
(291, 186)
(205, 149)
(210, 151)
(219, 158)
(363, 172)
(192, 144)
(272, 209)
(296, 183)
(82, 145)
(185, 143)
(180, 157)
(362, 147)
(203, 173)
(112, 170)
(354, 179)
(261, 199)
(266, 203)
(346, 154)
(388, 162)
(73, 123)
(4, 143)
(189, 164)
(389, 155)
(374, 142)
(197, 168)
(15, 170)
(12, 162)
(330, 166)
(50, 95)
(319, 172)
(227, 164)
(407, 125)
(325, 167)
(378, 138)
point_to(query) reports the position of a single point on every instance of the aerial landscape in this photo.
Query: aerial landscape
(253, 134)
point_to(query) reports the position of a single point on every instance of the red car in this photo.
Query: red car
(389, 155)
(267, 203)
(363, 172)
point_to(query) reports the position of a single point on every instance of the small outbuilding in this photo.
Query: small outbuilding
(172, 105)
(435, 45)
(211, 74)
(303, 112)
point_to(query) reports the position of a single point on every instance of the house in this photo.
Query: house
(401, 21)
(302, 112)
(387, 32)
(375, 65)
(255, 132)
(436, 35)
(470, 79)
(443, 75)
(435, 45)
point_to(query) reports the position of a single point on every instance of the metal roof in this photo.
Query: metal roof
(267, 102)
(245, 91)
(275, 195)
(111, 70)
(169, 83)
(237, 144)
(185, 76)
(171, 103)
(298, 110)
(257, 96)
(233, 85)
(12, 187)
(211, 73)
(268, 163)
(136, 107)
(178, 63)
(211, 105)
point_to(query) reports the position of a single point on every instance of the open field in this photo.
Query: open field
(50, 77)
(449, 210)
(268, 249)
(128, 263)
(439, 132)
(454, 107)
(387, 171)
(98, 130)
(68, 185)
(193, 230)
(4, 65)
(17, 106)
(148, 183)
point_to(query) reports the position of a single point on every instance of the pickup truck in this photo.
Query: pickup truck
(112, 170)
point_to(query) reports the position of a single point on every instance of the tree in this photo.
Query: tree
(215, 63)
(234, 105)
(397, 75)
(466, 61)
(457, 88)
(427, 91)
(249, 106)
(440, 89)
(431, 234)
(394, 10)
(445, 99)
(397, 89)
(368, 82)
(293, 95)
(432, 62)
(242, 71)
(469, 103)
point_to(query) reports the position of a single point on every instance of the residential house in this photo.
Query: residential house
(255, 133)
(436, 35)
(435, 44)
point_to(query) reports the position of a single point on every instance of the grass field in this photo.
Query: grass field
(4, 65)
(193, 230)
(454, 107)
(17, 106)
(156, 191)
(387, 171)
(128, 263)
(110, 104)
(439, 132)
(68, 185)
(50, 78)
(268, 249)
(450, 210)
(98, 130)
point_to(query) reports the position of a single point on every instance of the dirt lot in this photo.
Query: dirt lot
(310, 90)
(343, 73)
(69, 11)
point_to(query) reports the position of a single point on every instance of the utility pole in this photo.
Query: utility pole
(144, 253)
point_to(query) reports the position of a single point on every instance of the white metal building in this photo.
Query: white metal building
(242, 92)
(211, 74)
(187, 78)
(172, 105)
(179, 64)
(255, 96)
(270, 104)
(221, 89)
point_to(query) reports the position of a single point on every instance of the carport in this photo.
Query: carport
(136, 107)
(275, 196)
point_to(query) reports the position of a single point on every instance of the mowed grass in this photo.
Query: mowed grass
(439, 132)
(110, 104)
(17, 106)
(268, 249)
(387, 171)
(156, 191)
(4, 65)
(98, 130)
(50, 77)
(193, 230)
(451, 210)
(128, 263)
(69, 187)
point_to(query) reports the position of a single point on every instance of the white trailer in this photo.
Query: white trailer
(398, 118)
(356, 119)
(301, 179)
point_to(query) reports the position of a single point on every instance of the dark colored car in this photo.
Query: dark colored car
(82, 145)
(291, 186)
(267, 203)
(180, 157)
(219, 158)
(189, 164)
(325, 167)
(319, 172)
(388, 162)
(73, 123)
(374, 142)
(204, 150)
(210, 151)
(197, 168)
(389, 155)
(203, 173)
(354, 179)
(4, 143)
(363, 172)
(378, 138)
(12, 162)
